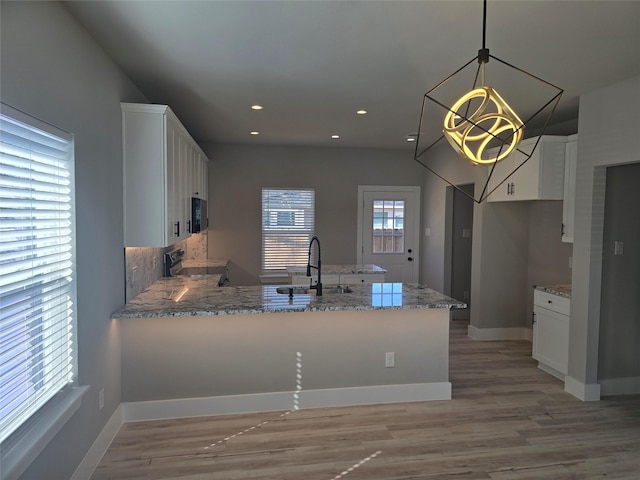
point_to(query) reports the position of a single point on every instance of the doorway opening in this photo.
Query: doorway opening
(458, 245)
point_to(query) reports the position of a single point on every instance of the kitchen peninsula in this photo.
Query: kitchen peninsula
(190, 347)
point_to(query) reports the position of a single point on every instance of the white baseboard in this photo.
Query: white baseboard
(259, 402)
(551, 371)
(265, 402)
(99, 447)
(620, 386)
(515, 333)
(585, 392)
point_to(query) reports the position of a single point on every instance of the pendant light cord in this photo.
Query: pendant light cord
(483, 54)
(484, 26)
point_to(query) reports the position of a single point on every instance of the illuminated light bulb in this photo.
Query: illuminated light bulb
(470, 135)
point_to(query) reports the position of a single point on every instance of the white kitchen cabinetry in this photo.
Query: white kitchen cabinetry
(361, 278)
(338, 279)
(551, 332)
(569, 197)
(330, 279)
(540, 178)
(159, 158)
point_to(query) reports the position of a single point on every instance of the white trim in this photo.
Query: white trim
(585, 392)
(414, 190)
(264, 402)
(551, 371)
(100, 446)
(17, 454)
(514, 333)
(620, 386)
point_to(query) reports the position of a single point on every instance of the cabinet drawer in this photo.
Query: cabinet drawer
(552, 302)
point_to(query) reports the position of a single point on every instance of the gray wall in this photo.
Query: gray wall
(53, 70)
(608, 136)
(548, 256)
(515, 245)
(237, 175)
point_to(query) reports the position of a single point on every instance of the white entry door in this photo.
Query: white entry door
(388, 230)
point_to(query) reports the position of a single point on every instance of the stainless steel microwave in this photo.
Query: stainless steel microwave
(199, 215)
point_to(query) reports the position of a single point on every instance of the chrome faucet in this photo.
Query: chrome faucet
(318, 267)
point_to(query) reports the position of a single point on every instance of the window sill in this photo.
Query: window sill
(20, 449)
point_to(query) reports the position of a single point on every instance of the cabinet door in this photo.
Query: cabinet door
(363, 278)
(523, 184)
(172, 165)
(539, 178)
(569, 191)
(551, 339)
(204, 175)
(184, 206)
(304, 280)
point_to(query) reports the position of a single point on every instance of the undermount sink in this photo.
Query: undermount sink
(304, 290)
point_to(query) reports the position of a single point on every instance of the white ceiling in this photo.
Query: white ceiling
(312, 64)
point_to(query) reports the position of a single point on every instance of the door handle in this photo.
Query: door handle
(410, 259)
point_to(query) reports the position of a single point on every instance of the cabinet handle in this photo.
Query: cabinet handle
(508, 189)
(562, 229)
(188, 226)
(177, 232)
(513, 188)
(533, 317)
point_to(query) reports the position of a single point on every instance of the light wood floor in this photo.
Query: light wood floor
(507, 420)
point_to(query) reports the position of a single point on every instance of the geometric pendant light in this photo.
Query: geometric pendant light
(480, 114)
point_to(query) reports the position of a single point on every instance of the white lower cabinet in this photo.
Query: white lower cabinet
(361, 278)
(551, 332)
(338, 279)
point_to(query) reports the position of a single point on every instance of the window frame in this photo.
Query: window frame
(297, 232)
(24, 441)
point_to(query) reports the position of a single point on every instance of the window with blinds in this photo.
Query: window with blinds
(37, 284)
(287, 227)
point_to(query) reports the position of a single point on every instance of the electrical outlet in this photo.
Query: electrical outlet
(390, 359)
(101, 399)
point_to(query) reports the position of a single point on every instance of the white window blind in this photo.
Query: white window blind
(37, 285)
(287, 227)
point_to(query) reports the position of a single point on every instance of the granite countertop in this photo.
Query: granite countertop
(561, 290)
(184, 296)
(339, 269)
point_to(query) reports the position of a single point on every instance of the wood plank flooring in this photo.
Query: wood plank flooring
(507, 420)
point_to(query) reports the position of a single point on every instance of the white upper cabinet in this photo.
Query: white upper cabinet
(569, 200)
(163, 168)
(540, 178)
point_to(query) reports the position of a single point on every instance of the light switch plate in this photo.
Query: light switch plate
(618, 248)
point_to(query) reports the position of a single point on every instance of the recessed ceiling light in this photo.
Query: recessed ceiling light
(335, 136)
(255, 133)
(361, 112)
(411, 137)
(256, 107)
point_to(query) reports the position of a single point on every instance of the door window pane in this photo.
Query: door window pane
(388, 226)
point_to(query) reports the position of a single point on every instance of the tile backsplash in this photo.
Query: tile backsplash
(145, 265)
